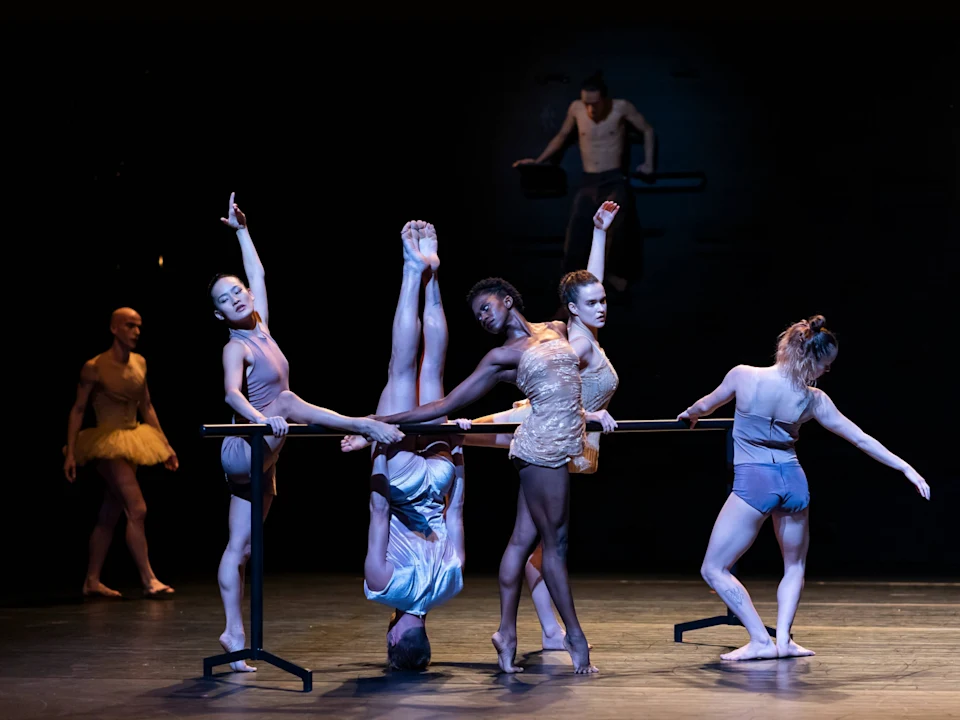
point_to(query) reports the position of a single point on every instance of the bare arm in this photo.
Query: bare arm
(88, 379)
(558, 141)
(149, 413)
(596, 263)
(495, 367)
(724, 393)
(634, 117)
(453, 512)
(252, 267)
(233, 361)
(499, 440)
(826, 413)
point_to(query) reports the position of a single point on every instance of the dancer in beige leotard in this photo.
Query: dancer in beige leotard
(583, 294)
(538, 358)
(115, 382)
(257, 388)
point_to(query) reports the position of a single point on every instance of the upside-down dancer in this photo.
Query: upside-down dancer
(415, 546)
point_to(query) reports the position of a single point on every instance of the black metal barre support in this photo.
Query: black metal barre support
(256, 651)
(257, 432)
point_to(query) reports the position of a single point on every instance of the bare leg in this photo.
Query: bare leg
(231, 576)
(547, 491)
(733, 533)
(793, 534)
(400, 392)
(551, 632)
(122, 480)
(100, 540)
(524, 537)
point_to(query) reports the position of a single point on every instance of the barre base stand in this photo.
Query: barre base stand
(729, 619)
(256, 651)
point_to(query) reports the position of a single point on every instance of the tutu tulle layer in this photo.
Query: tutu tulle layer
(141, 445)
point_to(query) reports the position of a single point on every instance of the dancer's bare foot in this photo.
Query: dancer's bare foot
(753, 651)
(506, 652)
(155, 588)
(428, 246)
(553, 640)
(95, 588)
(579, 651)
(351, 443)
(232, 643)
(412, 257)
(791, 649)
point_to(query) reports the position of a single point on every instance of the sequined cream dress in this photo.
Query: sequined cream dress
(116, 399)
(552, 434)
(599, 385)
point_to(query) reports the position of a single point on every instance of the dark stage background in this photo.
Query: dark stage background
(831, 156)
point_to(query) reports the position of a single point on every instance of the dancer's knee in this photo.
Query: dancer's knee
(137, 513)
(710, 572)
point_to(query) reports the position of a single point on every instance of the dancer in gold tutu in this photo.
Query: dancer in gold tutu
(115, 382)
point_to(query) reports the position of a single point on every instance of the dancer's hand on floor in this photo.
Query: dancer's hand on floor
(463, 423)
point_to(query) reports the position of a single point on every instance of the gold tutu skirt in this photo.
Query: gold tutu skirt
(141, 445)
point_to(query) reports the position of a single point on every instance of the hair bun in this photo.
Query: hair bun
(817, 322)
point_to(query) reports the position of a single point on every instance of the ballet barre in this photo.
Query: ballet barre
(257, 432)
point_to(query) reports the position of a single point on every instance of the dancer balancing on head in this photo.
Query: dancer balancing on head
(538, 358)
(115, 382)
(583, 295)
(256, 383)
(771, 405)
(415, 547)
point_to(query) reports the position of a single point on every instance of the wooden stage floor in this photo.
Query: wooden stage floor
(885, 650)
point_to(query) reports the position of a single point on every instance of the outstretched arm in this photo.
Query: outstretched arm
(149, 413)
(558, 141)
(496, 366)
(598, 250)
(517, 413)
(88, 378)
(827, 414)
(453, 512)
(252, 267)
(724, 393)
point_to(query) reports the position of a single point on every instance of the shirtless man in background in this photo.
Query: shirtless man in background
(601, 122)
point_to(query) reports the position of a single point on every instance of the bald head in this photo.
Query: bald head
(125, 326)
(122, 314)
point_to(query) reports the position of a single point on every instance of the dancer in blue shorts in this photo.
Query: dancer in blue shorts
(772, 403)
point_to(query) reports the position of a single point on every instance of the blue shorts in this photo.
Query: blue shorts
(768, 486)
